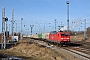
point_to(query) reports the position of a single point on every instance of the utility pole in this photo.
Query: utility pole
(84, 29)
(31, 28)
(6, 24)
(61, 23)
(9, 28)
(44, 28)
(67, 15)
(12, 24)
(16, 27)
(62, 26)
(21, 27)
(6, 19)
(79, 31)
(3, 46)
(55, 24)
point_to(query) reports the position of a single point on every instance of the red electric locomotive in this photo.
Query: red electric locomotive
(59, 37)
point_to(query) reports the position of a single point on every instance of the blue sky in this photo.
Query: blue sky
(42, 12)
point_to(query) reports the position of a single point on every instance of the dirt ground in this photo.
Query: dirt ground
(31, 51)
(79, 38)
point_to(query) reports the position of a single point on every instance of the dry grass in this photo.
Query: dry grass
(32, 51)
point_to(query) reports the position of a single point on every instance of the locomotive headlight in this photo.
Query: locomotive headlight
(61, 38)
(67, 38)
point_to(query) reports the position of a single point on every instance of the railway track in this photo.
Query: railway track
(80, 51)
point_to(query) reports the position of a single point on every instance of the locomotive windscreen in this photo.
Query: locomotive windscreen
(64, 35)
